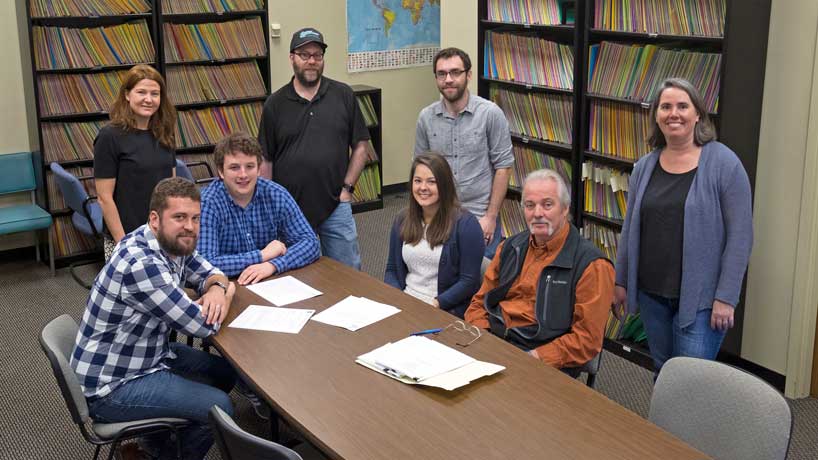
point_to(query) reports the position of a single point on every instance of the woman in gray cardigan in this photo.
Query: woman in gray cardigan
(687, 233)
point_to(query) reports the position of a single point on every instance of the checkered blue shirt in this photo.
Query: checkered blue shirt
(137, 298)
(232, 237)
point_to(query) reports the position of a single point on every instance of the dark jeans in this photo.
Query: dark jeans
(491, 248)
(666, 339)
(197, 380)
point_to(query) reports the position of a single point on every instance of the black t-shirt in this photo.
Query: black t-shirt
(308, 143)
(662, 232)
(138, 162)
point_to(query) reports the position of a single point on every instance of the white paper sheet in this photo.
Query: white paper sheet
(354, 313)
(284, 291)
(418, 358)
(449, 381)
(273, 319)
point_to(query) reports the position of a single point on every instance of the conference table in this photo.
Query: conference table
(527, 411)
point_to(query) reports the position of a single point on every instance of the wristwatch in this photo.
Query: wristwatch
(349, 188)
(221, 285)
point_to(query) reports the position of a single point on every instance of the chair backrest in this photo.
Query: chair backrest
(16, 173)
(592, 368)
(72, 190)
(721, 410)
(183, 171)
(237, 444)
(57, 340)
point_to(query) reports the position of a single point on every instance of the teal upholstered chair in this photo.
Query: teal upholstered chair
(17, 175)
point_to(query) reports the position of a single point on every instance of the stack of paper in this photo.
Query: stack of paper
(420, 360)
(354, 313)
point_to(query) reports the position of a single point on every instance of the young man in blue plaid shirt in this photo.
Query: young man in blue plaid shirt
(251, 227)
(123, 359)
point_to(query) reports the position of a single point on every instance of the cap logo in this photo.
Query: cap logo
(308, 33)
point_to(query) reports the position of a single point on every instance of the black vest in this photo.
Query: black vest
(556, 289)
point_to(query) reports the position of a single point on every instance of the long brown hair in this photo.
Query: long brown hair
(411, 230)
(162, 123)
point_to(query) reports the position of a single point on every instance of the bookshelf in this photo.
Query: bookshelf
(369, 191)
(215, 59)
(213, 55)
(719, 45)
(620, 51)
(80, 51)
(528, 60)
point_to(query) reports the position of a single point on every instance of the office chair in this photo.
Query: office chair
(183, 171)
(237, 444)
(57, 341)
(17, 176)
(592, 368)
(721, 410)
(87, 216)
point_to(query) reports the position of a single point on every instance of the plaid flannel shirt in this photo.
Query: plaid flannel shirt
(232, 237)
(136, 299)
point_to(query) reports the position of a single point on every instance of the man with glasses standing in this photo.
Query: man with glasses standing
(307, 130)
(472, 134)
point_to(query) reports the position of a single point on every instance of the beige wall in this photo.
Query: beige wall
(14, 119)
(781, 160)
(404, 91)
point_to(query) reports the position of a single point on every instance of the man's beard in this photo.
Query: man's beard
(461, 90)
(551, 229)
(173, 246)
(300, 75)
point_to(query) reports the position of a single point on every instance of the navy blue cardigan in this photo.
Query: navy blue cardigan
(458, 275)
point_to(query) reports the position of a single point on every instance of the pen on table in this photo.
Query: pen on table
(428, 331)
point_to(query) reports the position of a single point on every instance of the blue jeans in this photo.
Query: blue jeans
(666, 339)
(491, 248)
(339, 237)
(197, 381)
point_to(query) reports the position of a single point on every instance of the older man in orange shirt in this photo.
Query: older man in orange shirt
(547, 290)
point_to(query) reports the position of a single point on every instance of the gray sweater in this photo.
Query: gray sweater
(718, 232)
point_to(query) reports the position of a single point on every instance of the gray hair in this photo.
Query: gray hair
(550, 174)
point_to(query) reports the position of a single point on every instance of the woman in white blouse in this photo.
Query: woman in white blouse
(435, 247)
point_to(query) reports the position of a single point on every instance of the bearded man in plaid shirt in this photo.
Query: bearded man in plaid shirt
(123, 358)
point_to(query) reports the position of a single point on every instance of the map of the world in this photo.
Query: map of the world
(385, 34)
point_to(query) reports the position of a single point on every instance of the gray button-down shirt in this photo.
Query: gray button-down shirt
(476, 143)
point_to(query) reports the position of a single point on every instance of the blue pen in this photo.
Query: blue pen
(428, 331)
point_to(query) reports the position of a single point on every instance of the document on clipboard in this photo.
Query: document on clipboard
(418, 360)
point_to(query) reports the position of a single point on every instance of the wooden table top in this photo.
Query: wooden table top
(527, 411)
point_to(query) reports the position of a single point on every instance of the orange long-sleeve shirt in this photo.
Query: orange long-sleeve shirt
(593, 301)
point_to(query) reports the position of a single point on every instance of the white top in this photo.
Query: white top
(422, 263)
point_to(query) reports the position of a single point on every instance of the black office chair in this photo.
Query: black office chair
(87, 216)
(237, 444)
(57, 341)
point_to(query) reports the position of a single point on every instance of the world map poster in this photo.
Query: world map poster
(391, 34)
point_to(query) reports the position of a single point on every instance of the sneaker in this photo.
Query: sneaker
(260, 407)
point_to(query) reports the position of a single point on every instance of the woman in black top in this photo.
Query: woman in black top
(133, 152)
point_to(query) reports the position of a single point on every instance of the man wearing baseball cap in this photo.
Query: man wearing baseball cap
(307, 130)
